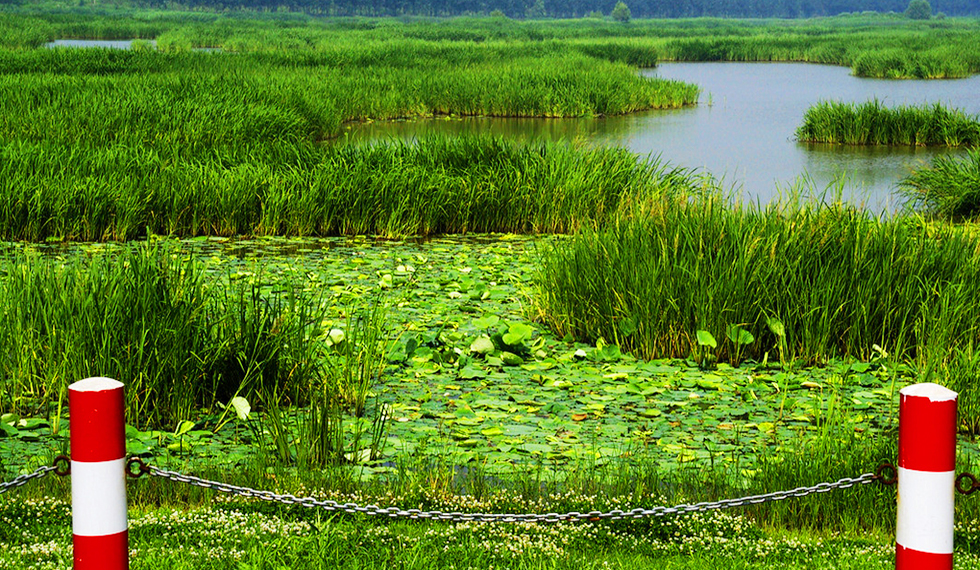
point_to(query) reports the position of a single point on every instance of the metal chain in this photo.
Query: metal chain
(416, 514)
(22, 480)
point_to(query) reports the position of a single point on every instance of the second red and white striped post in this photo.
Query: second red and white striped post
(926, 478)
(100, 526)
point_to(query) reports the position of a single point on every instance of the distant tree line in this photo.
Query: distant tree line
(550, 8)
(576, 8)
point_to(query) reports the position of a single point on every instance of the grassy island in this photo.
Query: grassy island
(871, 123)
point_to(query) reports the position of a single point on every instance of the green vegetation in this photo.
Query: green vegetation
(434, 186)
(147, 315)
(873, 46)
(523, 8)
(162, 99)
(805, 281)
(872, 123)
(948, 189)
(656, 356)
(918, 10)
(621, 12)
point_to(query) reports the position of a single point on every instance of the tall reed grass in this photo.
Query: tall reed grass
(147, 316)
(24, 32)
(871, 123)
(873, 46)
(432, 186)
(197, 103)
(809, 282)
(948, 189)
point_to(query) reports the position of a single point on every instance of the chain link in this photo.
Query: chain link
(417, 514)
(22, 480)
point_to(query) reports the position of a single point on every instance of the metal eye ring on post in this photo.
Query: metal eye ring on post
(974, 483)
(62, 465)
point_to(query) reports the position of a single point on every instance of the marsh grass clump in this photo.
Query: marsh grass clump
(948, 189)
(872, 123)
(23, 32)
(149, 317)
(835, 280)
(431, 186)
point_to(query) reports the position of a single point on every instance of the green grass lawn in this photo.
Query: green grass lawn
(237, 535)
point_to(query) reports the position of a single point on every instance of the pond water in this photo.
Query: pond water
(742, 130)
(109, 44)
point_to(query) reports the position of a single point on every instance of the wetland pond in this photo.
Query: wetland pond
(743, 129)
(106, 44)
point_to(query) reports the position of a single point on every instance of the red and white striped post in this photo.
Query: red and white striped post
(926, 478)
(98, 474)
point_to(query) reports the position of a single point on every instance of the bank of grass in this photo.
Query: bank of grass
(179, 526)
(217, 532)
(837, 280)
(948, 189)
(871, 123)
(431, 186)
(233, 536)
(196, 104)
(149, 316)
(795, 283)
(875, 45)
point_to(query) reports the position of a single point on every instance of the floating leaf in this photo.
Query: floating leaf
(535, 448)
(518, 333)
(580, 417)
(482, 345)
(511, 359)
(486, 322)
(469, 372)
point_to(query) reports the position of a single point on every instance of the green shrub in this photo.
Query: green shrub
(918, 10)
(621, 12)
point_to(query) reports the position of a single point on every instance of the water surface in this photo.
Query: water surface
(742, 130)
(107, 44)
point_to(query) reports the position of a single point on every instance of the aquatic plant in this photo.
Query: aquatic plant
(871, 123)
(948, 189)
(431, 186)
(148, 316)
(838, 281)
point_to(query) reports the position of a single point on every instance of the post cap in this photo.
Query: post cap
(934, 392)
(95, 384)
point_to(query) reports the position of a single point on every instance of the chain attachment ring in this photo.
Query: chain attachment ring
(62, 466)
(973, 481)
(886, 474)
(141, 468)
